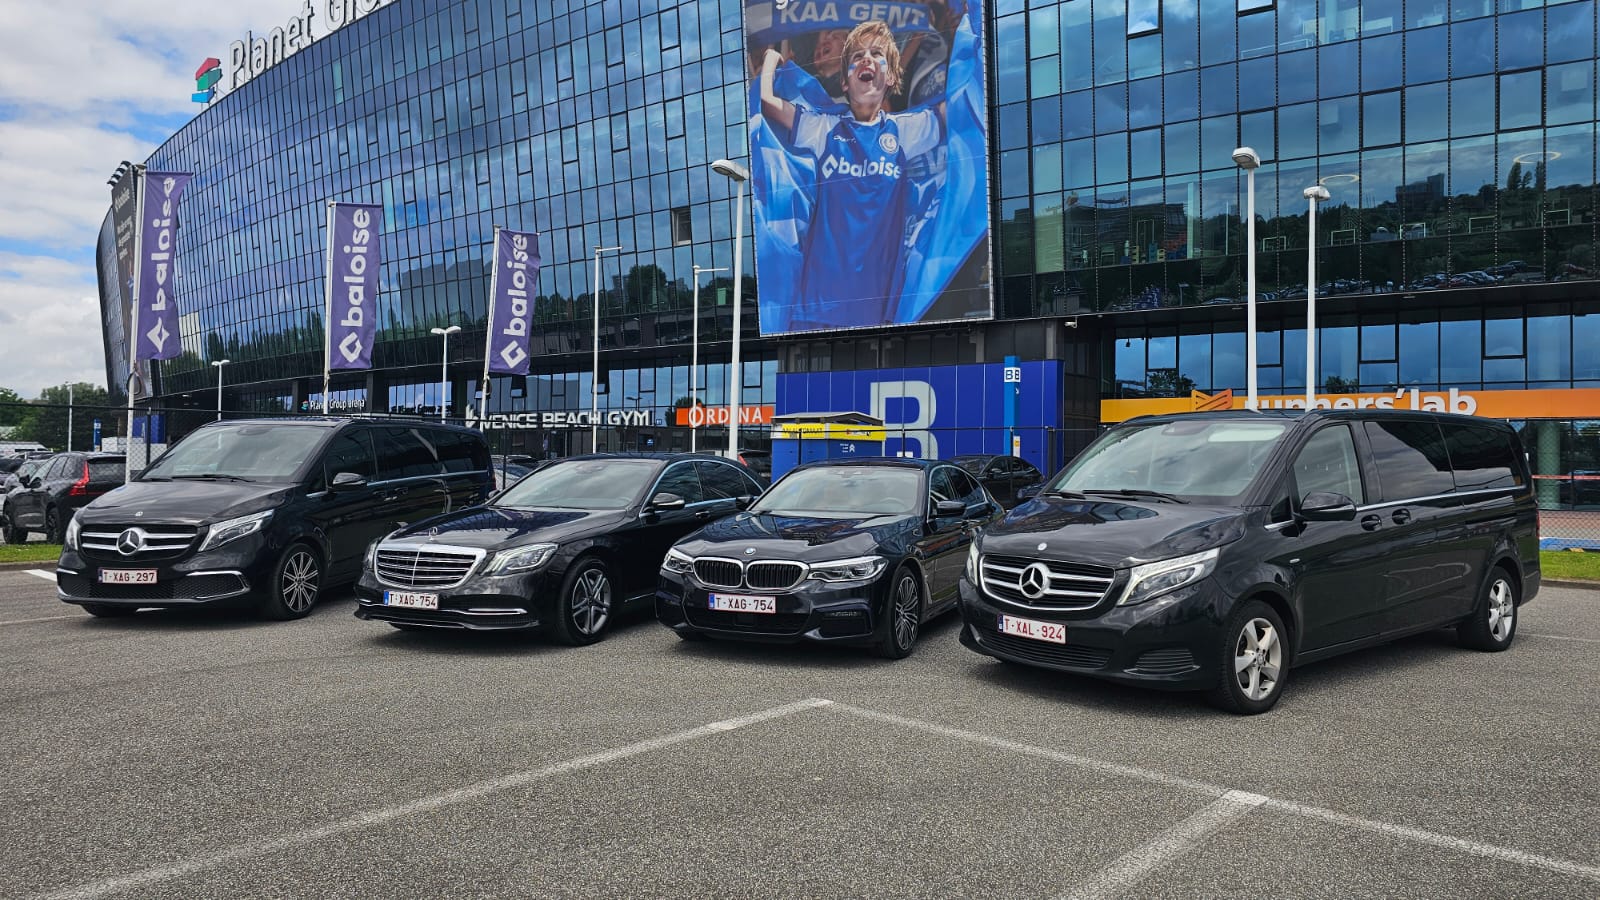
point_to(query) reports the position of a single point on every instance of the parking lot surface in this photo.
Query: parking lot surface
(206, 754)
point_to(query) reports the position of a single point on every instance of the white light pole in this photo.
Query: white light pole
(594, 375)
(444, 368)
(730, 169)
(1314, 195)
(1247, 159)
(219, 364)
(694, 356)
(69, 418)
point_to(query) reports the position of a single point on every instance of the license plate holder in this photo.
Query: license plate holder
(743, 603)
(1033, 629)
(410, 600)
(127, 576)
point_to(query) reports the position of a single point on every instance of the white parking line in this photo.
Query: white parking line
(1130, 868)
(1421, 836)
(41, 573)
(371, 818)
(1560, 637)
(40, 619)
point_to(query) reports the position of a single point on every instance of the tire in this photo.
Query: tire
(1493, 623)
(1251, 661)
(16, 535)
(107, 611)
(295, 584)
(54, 530)
(587, 603)
(903, 614)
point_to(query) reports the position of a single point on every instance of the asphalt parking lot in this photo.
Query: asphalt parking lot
(209, 754)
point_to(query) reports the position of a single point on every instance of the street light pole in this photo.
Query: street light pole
(1248, 160)
(594, 375)
(444, 368)
(740, 175)
(69, 418)
(219, 364)
(694, 355)
(1314, 195)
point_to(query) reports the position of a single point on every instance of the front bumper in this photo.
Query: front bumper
(223, 576)
(481, 603)
(1170, 642)
(848, 614)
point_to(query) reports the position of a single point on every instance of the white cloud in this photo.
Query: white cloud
(49, 324)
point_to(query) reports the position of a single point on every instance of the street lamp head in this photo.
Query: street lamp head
(1246, 158)
(1316, 192)
(219, 363)
(730, 169)
(451, 330)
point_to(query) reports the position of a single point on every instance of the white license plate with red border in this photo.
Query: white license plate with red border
(127, 576)
(743, 603)
(411, 600)
(1033, 629)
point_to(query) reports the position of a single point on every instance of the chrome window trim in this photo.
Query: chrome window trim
(1428, 497)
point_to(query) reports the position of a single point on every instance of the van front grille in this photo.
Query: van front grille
(1045, 584)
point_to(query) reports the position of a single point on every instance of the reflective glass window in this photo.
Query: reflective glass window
(1411, 459)
(1338, 70)
(1339, 124)
(1327, 463)
(1145, 150)
(1111, 158)
(1218, 93)
(1182, 148)
(1426, 55)
(1380, 119)
(1381, 59)
(1077, 115)
(1569, 93)
(1471, 106)
(1258, 83)
(1111, 108)
(1297, 76)
(1570, 32)
(1480, 456)
(1521, 94)
(1472, 48)
(1549, 343)
(1144, 103)
(1258, 131)
(1427, 111)
(1297, 131)
(1522, 39)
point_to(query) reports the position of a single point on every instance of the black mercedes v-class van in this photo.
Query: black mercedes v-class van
(1215, 551)
(264, 511)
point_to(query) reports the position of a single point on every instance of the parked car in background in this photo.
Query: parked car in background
(860, 551)
(10, 483)
(1001, 476)
(63, 484)
(565, 549)
(21, 448)
(1216, 551)
(759, 462)
(265, 512)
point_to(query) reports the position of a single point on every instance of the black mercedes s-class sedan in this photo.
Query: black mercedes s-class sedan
(849, 551)
(563, 550)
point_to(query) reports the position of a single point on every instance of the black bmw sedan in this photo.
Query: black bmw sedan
(848, 551)
(564, 549)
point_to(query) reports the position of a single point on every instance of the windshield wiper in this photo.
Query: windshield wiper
(1057, 492)
(213, 476)
(1136, 492)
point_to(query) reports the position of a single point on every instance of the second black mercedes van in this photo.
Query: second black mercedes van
(1216, 551)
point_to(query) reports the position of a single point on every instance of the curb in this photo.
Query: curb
(1579, 585)
(24, 566)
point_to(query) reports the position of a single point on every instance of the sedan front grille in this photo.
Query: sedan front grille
(761, 575)
(719, 573)
(433, 568)
(136, 542)
(1045, 585)
(773, 576)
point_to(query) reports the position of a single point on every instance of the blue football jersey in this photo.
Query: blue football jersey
(857, 230)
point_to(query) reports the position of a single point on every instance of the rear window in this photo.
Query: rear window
(107, 470)
(403, 453)
(1482, 457)
(1411, 459)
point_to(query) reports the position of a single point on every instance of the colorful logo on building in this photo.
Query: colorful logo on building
(205, 80)
(1204, 402)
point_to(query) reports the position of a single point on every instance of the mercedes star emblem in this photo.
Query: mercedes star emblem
(1035, 579)
(130, 542)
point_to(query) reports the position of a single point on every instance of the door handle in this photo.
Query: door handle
(1371, 522)
(703, 514)
(1402, 516)
(391, 496)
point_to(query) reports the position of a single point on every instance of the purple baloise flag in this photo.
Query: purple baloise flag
(516, 267)
(158, 304)
(352, 284)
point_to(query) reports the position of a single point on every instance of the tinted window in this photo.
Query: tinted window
(256, 451)
(582, 484)
(1192, 457)
(403, 454)
(1482, 457)
(724, 482)
(1411, 459)
(967, 489)
(680, 479)
(1328, 463)
(349, 452)
(106, 470)
(456, 451)
(940, 487)
(844, 490)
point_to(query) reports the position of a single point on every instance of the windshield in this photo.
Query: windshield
(582, 484)
(972, 464)
(254, 451)
(1210, 460)
(843, 491)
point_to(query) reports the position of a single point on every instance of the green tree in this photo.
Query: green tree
(48, 424)
(13, 409)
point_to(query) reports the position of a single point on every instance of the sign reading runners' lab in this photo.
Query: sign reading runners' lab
(869, 168)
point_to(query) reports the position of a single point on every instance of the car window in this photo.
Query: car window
(680, 479)
(1481, 457)
(1328, 463)
(258, 451)
(939, 486)
(349, 452)
(967, 489)
(403, 454)
(721, 481)
(844, 491)
(106, 471)
(455, 451)
(1411, 459)
(582, 484)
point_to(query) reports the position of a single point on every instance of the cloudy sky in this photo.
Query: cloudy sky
(83, 86)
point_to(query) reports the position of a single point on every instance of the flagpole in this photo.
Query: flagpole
(133, 331)
(327, 318)
(488, 330)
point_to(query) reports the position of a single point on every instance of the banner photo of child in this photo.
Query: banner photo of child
(869, 163)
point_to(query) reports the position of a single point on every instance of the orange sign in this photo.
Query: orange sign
(696, 416)
(1570, 403)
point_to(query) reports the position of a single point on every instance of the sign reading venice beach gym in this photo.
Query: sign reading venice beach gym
(352, 284)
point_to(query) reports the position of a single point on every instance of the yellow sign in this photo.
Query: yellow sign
(1569, 403)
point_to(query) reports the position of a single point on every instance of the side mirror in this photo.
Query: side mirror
(347, 481)
(665, 502)
(744, 502)
(949, 509)
(1029, 492)
(35, 483)
(1325, 506)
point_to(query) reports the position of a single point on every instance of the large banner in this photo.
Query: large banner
(158, 231)
(516, 272)
(869, 162)
(352, 284)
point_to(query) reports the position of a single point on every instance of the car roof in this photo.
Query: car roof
(886, 461)
(657, 455)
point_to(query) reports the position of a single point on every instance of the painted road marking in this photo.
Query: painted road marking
(40, 619)
(1132, 867)
(41, 573)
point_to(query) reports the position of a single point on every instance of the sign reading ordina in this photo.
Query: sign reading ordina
(698, 416)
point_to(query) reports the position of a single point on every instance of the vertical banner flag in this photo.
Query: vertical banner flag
(352, 284)
(516, 271)
(157, 235)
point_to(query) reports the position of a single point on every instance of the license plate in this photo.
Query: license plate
(411, 600)
(744, 603)
(1033, 629)
(127, 576)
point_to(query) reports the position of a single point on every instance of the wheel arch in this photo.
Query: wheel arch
(1279, 603)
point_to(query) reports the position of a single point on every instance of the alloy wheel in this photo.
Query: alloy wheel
(299, 583)
(907, 603)
(1258, 659)
(591, 602)
(1502, 610)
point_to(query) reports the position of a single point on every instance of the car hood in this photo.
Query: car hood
(182, 502)
(1112, 533)
(500, 527)
(802, 538)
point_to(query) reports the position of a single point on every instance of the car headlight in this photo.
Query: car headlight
(372, 555)
(521, 559)
(972, 563)
(677, 561)
(1157, 578)
(861, 568)
(233, 529)
(71, 540)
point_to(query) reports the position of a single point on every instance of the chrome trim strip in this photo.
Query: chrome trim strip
(476, 554)
(1448, 496)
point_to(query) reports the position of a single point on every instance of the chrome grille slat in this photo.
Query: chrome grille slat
(434, 567)
(755, 575)
(159, 540)
(1067, 586)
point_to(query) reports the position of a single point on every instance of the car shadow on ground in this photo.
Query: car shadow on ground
(521, 642)
(808, 654)
(218, 618)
